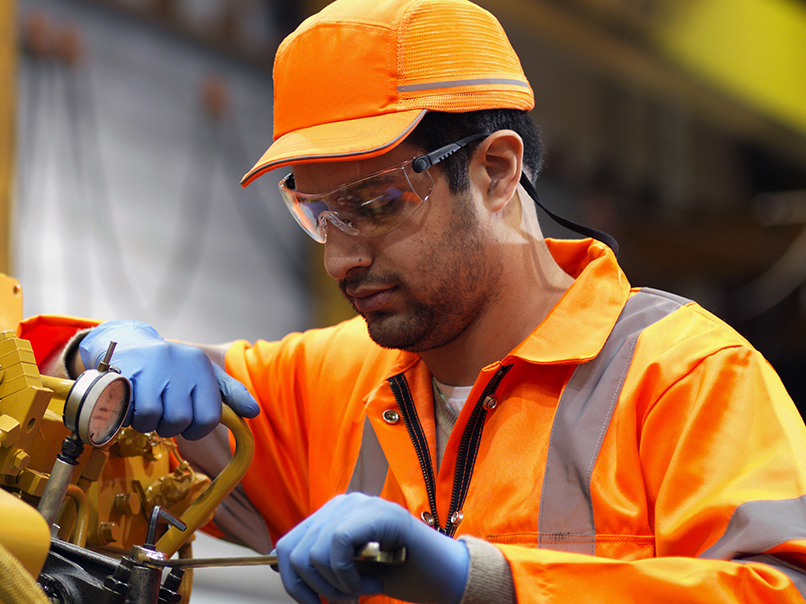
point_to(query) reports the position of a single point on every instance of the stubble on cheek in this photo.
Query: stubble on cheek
(449, 286)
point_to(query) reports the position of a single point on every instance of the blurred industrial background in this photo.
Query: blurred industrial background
(679, 126)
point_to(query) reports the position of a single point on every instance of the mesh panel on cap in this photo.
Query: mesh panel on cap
(474, 45)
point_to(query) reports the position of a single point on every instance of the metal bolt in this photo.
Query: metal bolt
(109, 532)
(20, 460)
(128, 503)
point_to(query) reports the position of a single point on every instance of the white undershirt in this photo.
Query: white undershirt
(455, 396)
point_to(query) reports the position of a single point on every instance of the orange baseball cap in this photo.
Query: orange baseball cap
(354, 79)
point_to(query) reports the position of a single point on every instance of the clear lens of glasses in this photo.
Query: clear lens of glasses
(370, 206)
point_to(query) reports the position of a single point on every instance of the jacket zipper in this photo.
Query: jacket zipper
(468, 446)
(400, 388)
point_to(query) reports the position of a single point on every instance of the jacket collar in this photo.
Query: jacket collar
(577, 327)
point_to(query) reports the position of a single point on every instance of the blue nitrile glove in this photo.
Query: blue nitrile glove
(175, 388)
(316, 557)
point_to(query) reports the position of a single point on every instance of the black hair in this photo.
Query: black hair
(437, 129)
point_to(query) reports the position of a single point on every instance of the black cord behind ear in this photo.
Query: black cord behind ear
(608, 240)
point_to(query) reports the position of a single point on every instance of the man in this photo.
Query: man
(570, 439)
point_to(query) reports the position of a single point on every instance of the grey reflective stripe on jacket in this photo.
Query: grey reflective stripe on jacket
(758, 526)
(565, 520)
(371, 466)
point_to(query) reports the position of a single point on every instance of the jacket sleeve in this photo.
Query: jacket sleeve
(311, 388)
(49, 334)
(720, 450)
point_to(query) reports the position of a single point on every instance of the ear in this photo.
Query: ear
(496, 167)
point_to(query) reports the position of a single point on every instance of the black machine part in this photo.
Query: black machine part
(75, 575)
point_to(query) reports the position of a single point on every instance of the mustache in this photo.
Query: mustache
(356, 280)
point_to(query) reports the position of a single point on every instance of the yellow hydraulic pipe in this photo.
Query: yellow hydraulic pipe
(202, 509)
(75, 493)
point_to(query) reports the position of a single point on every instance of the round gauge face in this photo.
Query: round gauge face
(109, 411)
(97, 405)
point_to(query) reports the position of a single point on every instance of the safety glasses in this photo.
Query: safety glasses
(373, 205)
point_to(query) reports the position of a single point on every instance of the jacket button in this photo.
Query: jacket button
(427, 518)
(457, 517)
(390, 416)
(490, 403)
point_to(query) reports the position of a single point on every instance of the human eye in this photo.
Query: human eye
(371, 206)
(386, 203)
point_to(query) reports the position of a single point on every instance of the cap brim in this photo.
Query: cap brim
(337, 141)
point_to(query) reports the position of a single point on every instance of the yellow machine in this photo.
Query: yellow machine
(84, 503)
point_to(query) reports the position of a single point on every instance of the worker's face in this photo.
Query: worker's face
(422, 284)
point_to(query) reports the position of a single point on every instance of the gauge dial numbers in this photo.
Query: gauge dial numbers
(97, 405)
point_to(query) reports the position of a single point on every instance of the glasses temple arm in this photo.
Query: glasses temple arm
(423, 162)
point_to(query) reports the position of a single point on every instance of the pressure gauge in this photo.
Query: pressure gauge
(97, 405)
(94, 410)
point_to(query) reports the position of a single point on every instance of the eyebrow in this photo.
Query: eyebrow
(364, 184)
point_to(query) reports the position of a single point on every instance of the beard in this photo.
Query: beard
(452, 282)
(419, 326)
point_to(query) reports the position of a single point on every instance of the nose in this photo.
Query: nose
(345, 252)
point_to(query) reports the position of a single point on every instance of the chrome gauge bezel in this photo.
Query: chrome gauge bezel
(80, 407)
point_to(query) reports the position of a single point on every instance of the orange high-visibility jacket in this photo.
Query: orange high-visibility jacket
(633, 449)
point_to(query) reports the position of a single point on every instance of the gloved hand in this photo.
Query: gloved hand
(175, 387)
(316, 557)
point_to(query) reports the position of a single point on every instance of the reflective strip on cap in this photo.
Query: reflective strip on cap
(371, 466)
(459, 83)
(565, 520)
